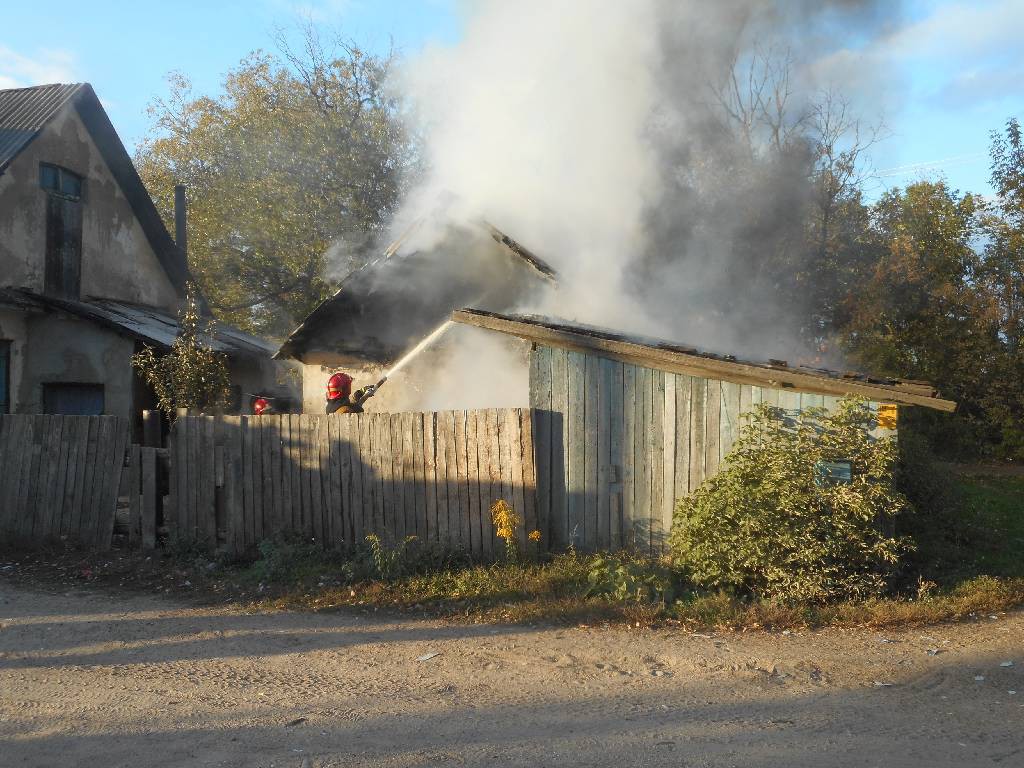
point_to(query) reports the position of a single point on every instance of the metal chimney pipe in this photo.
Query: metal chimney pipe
(180, 219)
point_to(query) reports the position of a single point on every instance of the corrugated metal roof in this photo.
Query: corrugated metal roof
(147, 324)
(25, 111)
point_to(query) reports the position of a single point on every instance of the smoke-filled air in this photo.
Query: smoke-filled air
(660, 155)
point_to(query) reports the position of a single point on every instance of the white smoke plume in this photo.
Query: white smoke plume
(594, 133)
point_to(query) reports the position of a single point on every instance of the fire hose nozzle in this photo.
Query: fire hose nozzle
(371, 390)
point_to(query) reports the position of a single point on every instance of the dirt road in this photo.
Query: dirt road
(92, 679)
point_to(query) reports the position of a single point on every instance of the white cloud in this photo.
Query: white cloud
(47, 66)
(964, 46)
(964, 29)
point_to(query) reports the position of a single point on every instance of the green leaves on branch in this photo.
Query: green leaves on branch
(770, 525)
(191, 374)
(295, 157)
(622, 577)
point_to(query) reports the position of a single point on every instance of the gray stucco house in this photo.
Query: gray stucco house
(88, 271)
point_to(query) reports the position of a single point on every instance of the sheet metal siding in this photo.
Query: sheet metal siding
(619, 444)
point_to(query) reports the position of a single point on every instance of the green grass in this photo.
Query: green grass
(997, 504)
(970, 562)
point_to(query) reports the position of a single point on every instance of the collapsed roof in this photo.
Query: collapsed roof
(672, 356)
(383, 309)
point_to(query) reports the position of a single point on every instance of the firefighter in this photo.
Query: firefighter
(341, 398)
(262, 406)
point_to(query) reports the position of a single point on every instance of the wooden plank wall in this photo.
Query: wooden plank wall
(618, 445)
(139, 484)
(240, 479)
(59, 477)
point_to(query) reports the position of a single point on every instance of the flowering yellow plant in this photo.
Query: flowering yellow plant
(534, 536)
(505, 521)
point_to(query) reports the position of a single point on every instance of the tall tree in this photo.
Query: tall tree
(1003, 276)
(1004, 252)
(924, 311)
(297, 156)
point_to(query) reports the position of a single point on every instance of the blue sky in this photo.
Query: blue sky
(957, 68)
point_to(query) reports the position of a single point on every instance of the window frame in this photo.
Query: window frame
(61, 173)
(50, 386)
(5, 380)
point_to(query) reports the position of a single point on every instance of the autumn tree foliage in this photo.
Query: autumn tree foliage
(300, 154)
(942, 301)
(295, 167)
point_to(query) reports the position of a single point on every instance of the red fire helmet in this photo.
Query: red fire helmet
(339, 385)
(259, 405)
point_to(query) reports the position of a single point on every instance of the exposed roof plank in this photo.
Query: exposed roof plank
(670, 357)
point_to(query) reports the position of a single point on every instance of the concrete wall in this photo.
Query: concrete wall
(68, 350)
(468, 368)
(117, 260)
(48, 348)
(278, 378)
(12, 329)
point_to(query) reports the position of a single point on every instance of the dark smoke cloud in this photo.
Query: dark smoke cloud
(600, 135)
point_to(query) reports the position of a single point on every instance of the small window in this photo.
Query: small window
(63, 270)
(73, 399)
(5, 376)
(49, 178)
(60, 181)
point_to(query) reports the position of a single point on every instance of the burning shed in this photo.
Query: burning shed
(384, 309)
(624, 426)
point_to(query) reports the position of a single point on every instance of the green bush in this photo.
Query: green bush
(771, 524)
(947, 532)
(289, 559)
(622, 577)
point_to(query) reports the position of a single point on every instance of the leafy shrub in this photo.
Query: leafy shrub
(622, 578)
(287, 559)
(191, 374)
(771, 524)
(390, 563)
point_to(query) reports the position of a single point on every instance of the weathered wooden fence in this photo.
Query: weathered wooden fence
(59, 477)
(144, 502)
(237, 480)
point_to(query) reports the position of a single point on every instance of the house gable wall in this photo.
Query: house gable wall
(117, 259)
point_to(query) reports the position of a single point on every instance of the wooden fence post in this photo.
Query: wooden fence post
(134, 499)
(148, 517)
(151, 429)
